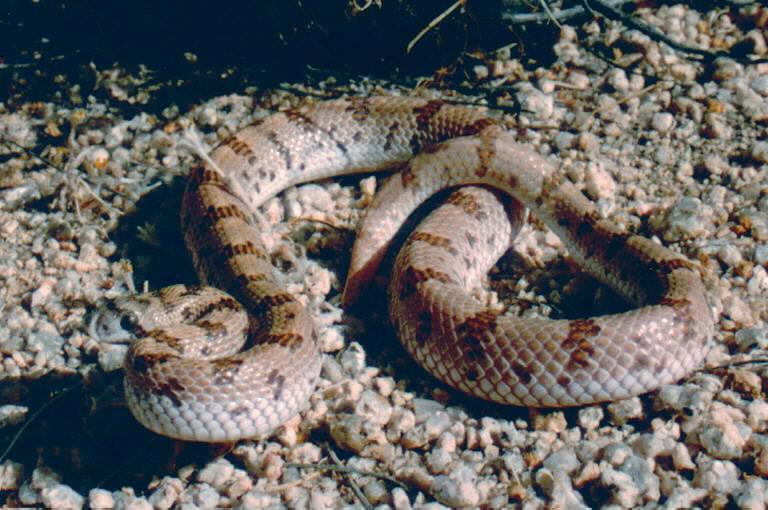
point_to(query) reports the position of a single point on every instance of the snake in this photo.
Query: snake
(238, 356)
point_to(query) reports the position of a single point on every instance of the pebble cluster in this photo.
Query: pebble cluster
(667, 147)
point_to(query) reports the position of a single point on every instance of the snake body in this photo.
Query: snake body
(213, 391)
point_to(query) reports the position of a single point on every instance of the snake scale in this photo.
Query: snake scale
(186, 379)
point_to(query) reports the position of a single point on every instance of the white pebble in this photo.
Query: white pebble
(201, 496)
(353, 359)
(376, 492)
(217, 473)
(757, 414)
(293, 209)
(716, 127)
(100, 498)
(729, 255)
(749, 338)
(589, 417)
(316, 196)
(11, 474)
(723, 436)
(717, 475)
(681, 457)
(685, 497)
(164, 496)
(400, 499)
(599, 183)
(578, 79)
(43, 292)
(456, 490)
(758, 282)
(687, 219)
(760, 85)
(557, 485)
(565, 459)
(753, 494)
(663, 122)
(373, 408)
(617, 79)
(61, 497)
(541, 105)
(439, 461)
(759, 151)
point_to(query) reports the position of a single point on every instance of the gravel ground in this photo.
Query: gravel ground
(670, 148)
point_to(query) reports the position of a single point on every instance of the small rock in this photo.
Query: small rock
(353, 359)
(589, 417)
(761, 462)
(217, 474)
(760, 84)
(729, 255)
(617, 79)
(681, 457)
(373, 408)
(456, 490)
(564, 140)
(622, 411)
(761, 254)
(662, 122)
(759, 151)
(565, 459)
(61, 496)
(400, 499)
(599, 183)
(753, 494)
(723, 436)
(557, 485)
(12, 415)
(100, 498)
(11, 474)
(534, 101)
(164, 496)
(202, 496)
(717, 475)
(687, 219)
(716, 127)
(316, 196)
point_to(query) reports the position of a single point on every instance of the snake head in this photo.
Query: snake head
(117, 321)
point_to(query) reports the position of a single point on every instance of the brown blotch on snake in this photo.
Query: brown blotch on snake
(144, 362)
(423, 325)
(225, 371)
(287, 340)
(214, 329)
(277, 380)
(224, 212)
(477, 326)
(246, 248)
(425, 113)
(433, 240)
(522, 373)
(468, 204)
(239, 147)
(171, 389)
(579, 330)
(476, 127)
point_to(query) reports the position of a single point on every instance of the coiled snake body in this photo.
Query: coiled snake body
(213, 391)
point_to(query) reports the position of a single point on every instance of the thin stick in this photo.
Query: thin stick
(433, 24)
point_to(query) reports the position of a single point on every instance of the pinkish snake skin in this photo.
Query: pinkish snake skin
(187, 381)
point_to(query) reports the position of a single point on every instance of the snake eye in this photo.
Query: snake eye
(129, 321)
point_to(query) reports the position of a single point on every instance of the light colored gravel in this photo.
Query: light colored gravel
(665, 147)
